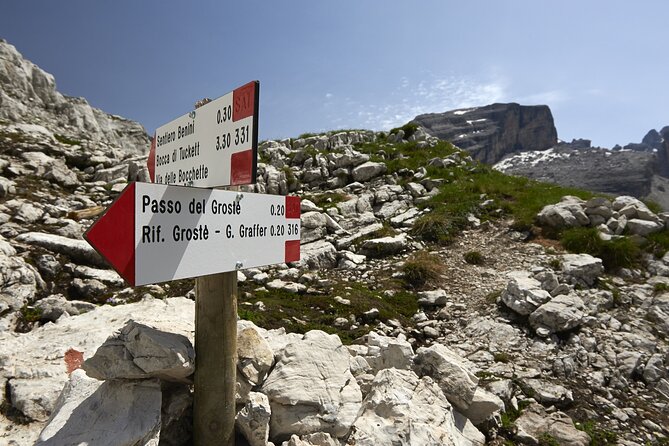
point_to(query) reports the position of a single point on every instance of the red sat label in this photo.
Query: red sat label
(243, 101)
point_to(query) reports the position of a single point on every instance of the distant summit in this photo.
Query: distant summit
(490, 133)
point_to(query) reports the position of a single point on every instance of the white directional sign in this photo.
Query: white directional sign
(214, 145)
(154, 233)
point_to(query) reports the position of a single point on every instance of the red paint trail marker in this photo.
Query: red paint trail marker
(154, 233)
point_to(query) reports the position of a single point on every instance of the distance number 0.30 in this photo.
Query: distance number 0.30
(242, 136)
(224, 115)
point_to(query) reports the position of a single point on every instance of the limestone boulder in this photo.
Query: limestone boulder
(138, 351)
(535, 422)
(311, 388)
(112, 413)
(254, 355)
(562, 313)
(582, 269)
(79, 251)
(252, 421)
(368, 170)
(403, 409)
(449, 371)
(524, 294)
(384, 246)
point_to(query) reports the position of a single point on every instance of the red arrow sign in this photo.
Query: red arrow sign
(113, 234)
(154, 233)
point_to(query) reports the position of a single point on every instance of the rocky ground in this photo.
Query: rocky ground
(410, 319)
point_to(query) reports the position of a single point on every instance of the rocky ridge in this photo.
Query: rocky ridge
(28, 96)
(506, 339)
(641, 170)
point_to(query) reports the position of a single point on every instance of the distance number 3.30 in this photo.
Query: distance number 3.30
(242, 136)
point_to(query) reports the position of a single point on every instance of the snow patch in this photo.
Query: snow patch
(528, 158)
(462, 112)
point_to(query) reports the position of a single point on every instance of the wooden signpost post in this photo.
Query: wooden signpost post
(155, 232)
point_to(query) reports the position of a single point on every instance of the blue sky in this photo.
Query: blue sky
(322, 65)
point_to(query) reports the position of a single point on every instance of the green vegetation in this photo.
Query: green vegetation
(660, 288)
(616, 253)
(327, 199)
(317, 310)
(422, 267)
(658, 243)
(291, 179)
(547, 439)
(408, 129)
(474, 258)
(65, 140)
(30, 314)
(598, 436)
(555, 264)
(510, 416)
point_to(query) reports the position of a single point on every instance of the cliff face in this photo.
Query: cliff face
(28, 95)
(490, 133)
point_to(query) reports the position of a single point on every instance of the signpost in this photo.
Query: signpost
(154, 233)
(215, 145)
(161, 231)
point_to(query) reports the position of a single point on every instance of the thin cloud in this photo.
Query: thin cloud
(409, 99)
(545, 98)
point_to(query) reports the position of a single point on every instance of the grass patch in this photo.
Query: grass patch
(317, 310)
(617, 253)
(658, 243)
(598, 436)
(547, 439)
(437, 227)
(474, 258)
(510, 416)
(659, 288)
(409, 129)
(327, 199)
(65, 140)
(421, 268)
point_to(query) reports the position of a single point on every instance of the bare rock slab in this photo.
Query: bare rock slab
(113, 413)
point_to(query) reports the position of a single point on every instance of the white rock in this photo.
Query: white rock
(484, 405)
(582, 269)
(535, 421)
(254, 355)
(77, 250)
(138, 351)
(367, 171)
(311, 388)
(523, 294)
(450, 371)
(402, 409)
(106, 414)
(562, 313)
(384, 246)
(253, 419)
(644, 227)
